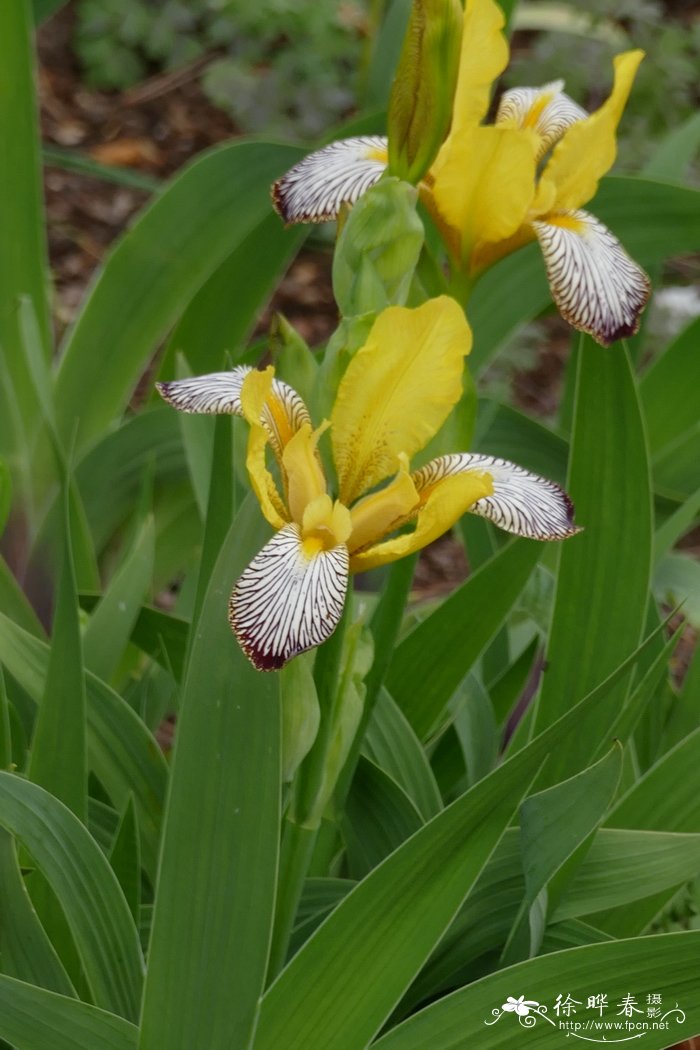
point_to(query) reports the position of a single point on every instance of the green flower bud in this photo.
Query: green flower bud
(301, 714)
(378, 249)
(293, 360)
(420, 105)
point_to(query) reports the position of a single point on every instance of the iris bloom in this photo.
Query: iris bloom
(396, 393)
(491, 188)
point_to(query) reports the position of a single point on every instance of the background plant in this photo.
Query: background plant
(104, 509)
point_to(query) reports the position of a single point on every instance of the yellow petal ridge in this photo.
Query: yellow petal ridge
(588, 148)
(397, 391)
(254, 394)
(303, 472)
(383, 511)
(445, 503)
(325, 525)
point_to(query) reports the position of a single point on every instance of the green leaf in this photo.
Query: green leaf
(74, 160)
(219, 832)
(25, 949)
(386, 41)
(155, 270)
(553, 824)
(125, 858)
(34, 1019)
(624, 866)
(677, 581)
(121, 752)
(506, 690)
(23, 270)
(503, 431)
(676, 526)
(441, 650)
(674, 437)
(675, 153)
(665, 798)
(86, 887)
(379, 816)
(554, 821)
(111, 622)
(663, 964)
(159, 634)
(111, 474)
(63, 770)
(375, 942)
(14, 603)
(595, 625)
(217, 323)
(391, 744)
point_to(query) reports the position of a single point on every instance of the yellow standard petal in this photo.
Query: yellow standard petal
(483, 57)
(255, 391)
(445, 503)
(484, 184)
(588, 149)
(397, 391)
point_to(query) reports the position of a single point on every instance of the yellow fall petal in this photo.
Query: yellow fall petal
(446, 502)
(483, 57)
(397, 391)
(304, 476)
(382, 512)
(588, 149)
(254, 394)
(484, 184)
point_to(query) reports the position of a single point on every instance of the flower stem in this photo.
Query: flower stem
(295, 856)
(302, 823)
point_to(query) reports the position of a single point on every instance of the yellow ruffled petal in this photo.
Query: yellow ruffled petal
(445, 504)
(382, 512)
(483, 57)
(484, 184)
(397, 391)
(255, 391)
(588, 149)
(304, 476)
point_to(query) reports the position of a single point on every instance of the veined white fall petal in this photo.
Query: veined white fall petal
(547, 110)
(597, 287)
(287, 601)
(315, 188)
(522, 503)
(220, 392)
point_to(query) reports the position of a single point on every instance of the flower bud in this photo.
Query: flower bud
(378, 249)
(420, 104)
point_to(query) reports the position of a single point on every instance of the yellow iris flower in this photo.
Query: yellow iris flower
(396, 393)
(488, 191)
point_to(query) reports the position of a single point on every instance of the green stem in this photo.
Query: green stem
(301, 826)
(295, 856)
(385, 626)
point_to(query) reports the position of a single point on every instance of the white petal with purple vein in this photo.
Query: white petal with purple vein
(597, 287)
(522, 503)
(547, 110)
(218, 392)
(285, 601)
(315, 188)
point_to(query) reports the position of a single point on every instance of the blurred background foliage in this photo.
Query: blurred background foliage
(294, 67)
